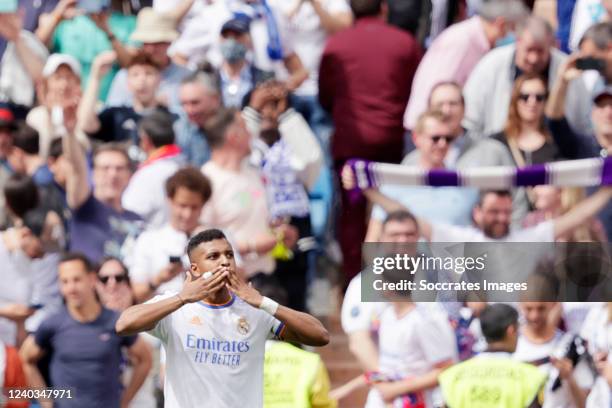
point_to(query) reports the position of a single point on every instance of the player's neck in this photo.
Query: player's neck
(86, 312)
(219, 298)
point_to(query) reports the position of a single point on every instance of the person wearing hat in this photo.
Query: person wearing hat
(84, 35)
(237, 75)
(60, 86)
(155, 31)
(571, 144)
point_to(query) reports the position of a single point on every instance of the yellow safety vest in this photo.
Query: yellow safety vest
(290, 375)
(491, 382)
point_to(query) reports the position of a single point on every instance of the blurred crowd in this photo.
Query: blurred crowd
(128, 126)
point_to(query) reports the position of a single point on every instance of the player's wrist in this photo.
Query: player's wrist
(268, 305)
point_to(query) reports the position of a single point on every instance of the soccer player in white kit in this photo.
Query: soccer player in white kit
(214, 331)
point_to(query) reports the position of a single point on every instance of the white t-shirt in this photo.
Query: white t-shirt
(575, 313)
(238, 204)
(528, 351)
(412, 345)
(146, 193)
(357, 315)
(309, 36)
(152, 253)
(543, 232)
(215, 353)
(597, 330)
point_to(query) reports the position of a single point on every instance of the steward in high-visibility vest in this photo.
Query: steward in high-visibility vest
(294, 378)
(493, 379)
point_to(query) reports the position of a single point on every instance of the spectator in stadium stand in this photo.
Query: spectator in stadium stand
(12, 376)
(200, 96)
(515, 384)
(68, 30)
(84, 348)
(586, 14)
(120, 123)
(488, 90)
(99, 226)
(572, 144)
(289, 157)
(25, 157)
(492, 217)
(7, 129)
(157, 263)
(538, 340)
(597, 43)
(457, 50)
(237, 75)
(415, 345)
(115, 291)
(156, 31)
(145, 194)
(60, 85)
(433, 136)
(359, 318)
(311, 23)
(370, 55)
(238, 203)
(23, 57)
(596, 326)
(219, 314)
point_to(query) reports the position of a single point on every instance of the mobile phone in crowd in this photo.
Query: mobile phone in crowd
(595, 64)
(8, 6)
(94, 6)
(175, 259)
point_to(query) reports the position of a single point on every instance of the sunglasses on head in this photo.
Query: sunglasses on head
(447, 139)
(118, 278)
(525, 97)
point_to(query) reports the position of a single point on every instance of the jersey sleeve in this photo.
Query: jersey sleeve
(162, 327)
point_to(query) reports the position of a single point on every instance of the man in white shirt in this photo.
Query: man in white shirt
(145, 193)
(214, 330)
(361, 319)
(157, 263)
(492, 216)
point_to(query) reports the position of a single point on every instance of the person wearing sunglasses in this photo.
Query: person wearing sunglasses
(433, 136)
(113, 286)
(525, 134)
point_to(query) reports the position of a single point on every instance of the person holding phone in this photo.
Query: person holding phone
(156, 265)
(215, 328)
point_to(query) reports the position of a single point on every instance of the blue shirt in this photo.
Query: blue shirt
(85, 357)
(446, 205)
(192, 141)
(97, 230)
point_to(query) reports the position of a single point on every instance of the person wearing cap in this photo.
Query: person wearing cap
(61, 85)
(155, 31)
(85, 35)
(237, 75)
(579, 146)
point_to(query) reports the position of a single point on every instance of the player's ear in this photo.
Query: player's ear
(193, 268)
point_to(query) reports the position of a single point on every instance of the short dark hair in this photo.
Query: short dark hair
(142, 58)
(366, 8)
(216, 127)
(600, 34)
(202, 237)
(495, 320)
(192, 179)
(400, 216)
(26, 138)
(77, 256)
(484, 193)
(158, 127)
(21, 194)
(56, 149)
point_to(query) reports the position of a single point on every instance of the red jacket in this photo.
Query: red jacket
(364, 81)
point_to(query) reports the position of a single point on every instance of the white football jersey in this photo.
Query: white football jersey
(215, 353)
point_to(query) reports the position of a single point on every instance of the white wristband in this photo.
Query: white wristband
(268, 305)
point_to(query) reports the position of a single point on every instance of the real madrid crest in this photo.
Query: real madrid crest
(243, 326)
